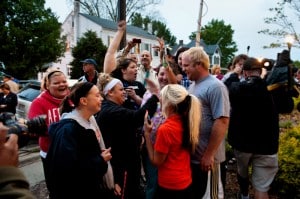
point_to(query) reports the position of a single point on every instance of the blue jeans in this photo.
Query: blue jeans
(151, 177)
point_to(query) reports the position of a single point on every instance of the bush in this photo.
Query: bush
(297, 103)
(287, 181)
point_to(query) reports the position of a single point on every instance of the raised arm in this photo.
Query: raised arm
(110, 61)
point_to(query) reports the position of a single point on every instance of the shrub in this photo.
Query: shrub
(297, 103)
(287, 180)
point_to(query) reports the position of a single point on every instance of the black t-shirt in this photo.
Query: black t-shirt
(139, 89)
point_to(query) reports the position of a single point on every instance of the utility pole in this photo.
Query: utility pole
(122, 16)
(198, 36)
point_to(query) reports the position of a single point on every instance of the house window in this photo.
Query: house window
(145, 46)
(216, 60)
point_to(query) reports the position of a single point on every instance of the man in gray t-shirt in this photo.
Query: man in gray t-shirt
(215, 104)
(214, 98)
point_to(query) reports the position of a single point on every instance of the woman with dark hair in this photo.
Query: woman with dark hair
(8, 99)
(76, 162)
(126, 71)
(119, 126)
(185, 82)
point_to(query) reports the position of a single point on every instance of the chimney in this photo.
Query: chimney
(76, 7)
(149, 28)
(75, 22)
(181, 42)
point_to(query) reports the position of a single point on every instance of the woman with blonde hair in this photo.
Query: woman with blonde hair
(176, 139)
(216, 71)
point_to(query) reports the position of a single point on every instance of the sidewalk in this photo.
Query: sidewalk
(28, 154)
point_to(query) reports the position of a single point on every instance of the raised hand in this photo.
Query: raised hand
(8, 148)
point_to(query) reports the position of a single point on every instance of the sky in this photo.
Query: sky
(181, 17)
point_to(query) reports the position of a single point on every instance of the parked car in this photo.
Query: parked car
(25, 96)
(28, 93)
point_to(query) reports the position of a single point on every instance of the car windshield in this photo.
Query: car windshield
(29, 93)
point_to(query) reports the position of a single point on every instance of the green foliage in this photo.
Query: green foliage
(285, 124)
(287, 180)
(137, 20)
(30, 37)
(158, 28)
(297, 103)
(229, 150)
(296, 100)
(217, 32)
(296, 63)
(88, 46)
(162, 31)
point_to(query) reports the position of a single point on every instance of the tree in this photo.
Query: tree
(160, 29)
(108, 9)
(30, 37)
(285, 23)
(157, 28)
(88, 46)
(216, 32)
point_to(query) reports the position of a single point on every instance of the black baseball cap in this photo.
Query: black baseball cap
(89, 61)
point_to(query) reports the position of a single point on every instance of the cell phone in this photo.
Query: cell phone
(136, 41)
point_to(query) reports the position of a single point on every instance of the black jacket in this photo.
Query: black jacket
(76, 166)
(118, 126)
(11, 102)
(254, 121)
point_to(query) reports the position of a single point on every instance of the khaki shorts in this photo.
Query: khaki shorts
(264, 168)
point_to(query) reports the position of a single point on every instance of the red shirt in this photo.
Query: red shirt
(175, 173)
(45, 104)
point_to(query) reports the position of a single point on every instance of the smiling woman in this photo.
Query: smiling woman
(54, 89)
(30, 89)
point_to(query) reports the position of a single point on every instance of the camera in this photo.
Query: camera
(268, 63)
(136, 41)
(29, 129)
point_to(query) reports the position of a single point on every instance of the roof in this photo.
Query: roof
(112, 25)
(209, 49)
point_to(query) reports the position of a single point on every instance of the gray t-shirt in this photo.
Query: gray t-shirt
(213, 95)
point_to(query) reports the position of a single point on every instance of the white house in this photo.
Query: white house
(213, 51)
(76, 24)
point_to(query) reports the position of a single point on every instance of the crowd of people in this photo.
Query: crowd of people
(169, 122)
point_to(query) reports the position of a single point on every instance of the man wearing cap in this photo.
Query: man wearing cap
(14, 87)
(89, 69)
(253, 129)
